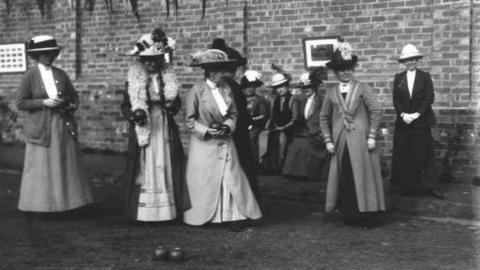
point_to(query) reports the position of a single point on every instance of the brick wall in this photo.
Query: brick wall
(442, 29)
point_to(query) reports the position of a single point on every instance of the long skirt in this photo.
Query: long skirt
(307, 157)
(413, 166)
(156, 201)
(53, 177)
(347, 196)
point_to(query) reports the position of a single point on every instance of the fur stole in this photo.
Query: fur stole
(139, 96)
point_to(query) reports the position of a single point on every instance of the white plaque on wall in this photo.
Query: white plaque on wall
(13, 58)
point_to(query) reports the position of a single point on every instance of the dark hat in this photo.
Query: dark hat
(219, 44)
(251, 78)
(342, 57)
(43, 43)
(310, 79)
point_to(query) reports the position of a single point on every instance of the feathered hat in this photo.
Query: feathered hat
(220, 44)
(153, 44)
(210, 58)
(309, 79)
(251, 78)
(342, 57)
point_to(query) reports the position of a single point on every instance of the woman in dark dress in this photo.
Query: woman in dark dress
(349, 120)
(413, 169)
(285, 113)
(307, 158)
(256, 107)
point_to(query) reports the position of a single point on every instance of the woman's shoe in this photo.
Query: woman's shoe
(236, 226)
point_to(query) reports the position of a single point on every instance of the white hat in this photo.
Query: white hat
(409, 51)
(43, 43)
(146, 46)
(278, 79)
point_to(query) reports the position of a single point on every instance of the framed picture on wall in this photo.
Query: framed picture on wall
(13, 58)
(317, 50)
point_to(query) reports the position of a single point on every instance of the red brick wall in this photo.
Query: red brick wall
(377, 29)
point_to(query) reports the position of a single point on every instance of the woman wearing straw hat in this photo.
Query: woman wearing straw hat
(349, 120)
(285, 113)
(413, 157)
(307, 158)
(156, 188)
(53, 177)
(218, 187)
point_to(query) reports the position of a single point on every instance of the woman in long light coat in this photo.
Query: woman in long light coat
(349, 120)
(219, 190)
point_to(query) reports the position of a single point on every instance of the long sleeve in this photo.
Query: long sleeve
(125, 107)
(374, 110)
(73, 95)
(429, 94)
(191, 114)
(397, 102)
(325, 119)
(232, 117)
(24, 98)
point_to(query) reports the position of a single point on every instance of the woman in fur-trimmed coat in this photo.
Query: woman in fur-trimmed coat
(156, 189)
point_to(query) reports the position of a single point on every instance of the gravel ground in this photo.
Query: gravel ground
(290, 236)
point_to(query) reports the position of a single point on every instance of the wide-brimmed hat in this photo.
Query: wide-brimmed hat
(210, 58)
(409, 51)
(153, 44)
(342, 57)
(43, 43)
(251, 78)
(220, 44)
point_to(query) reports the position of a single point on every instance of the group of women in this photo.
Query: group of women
(218, 181)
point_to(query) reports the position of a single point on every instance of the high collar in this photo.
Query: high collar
(211, 84)
(44, 67)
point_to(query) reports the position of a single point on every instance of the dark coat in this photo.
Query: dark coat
(306, 154)
(132, 189)
(30, 96)
(413, 158)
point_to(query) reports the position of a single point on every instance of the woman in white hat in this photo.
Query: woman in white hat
(413, 155)
(218, 187)
(285, 113)
(307, 158)
(349, 121)
(53, 177)
(156, 188)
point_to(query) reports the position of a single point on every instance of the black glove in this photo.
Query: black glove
(226, 129)
(139, 116)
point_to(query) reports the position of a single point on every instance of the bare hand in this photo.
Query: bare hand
(407, 118)
(371, 144)
(330, 148)
(51, 102)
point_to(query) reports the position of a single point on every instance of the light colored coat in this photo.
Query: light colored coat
(212, 161)
(351, 122)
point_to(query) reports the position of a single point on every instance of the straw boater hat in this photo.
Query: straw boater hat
(251, 78)
(342, 57)
(153, 44)
(409, 51)
(211, 58)
(42, 43)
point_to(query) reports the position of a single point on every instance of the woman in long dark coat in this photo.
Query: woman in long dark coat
(413, 169)
(156, 189)
(349, 120)
(307, 158)
(53, 177)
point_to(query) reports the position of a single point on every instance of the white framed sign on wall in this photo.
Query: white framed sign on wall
(13, 58)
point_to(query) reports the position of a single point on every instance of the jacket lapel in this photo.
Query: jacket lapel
(403, 85)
